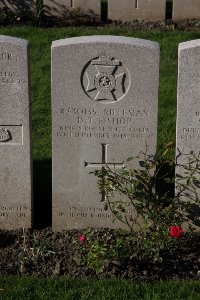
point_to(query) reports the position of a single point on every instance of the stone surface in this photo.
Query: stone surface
(58, 8)
(15, 165)
(104, 110)
(127, 10)
(188, 112)
(63, 8)
(186, 9)
(91, 7)
(19, 7)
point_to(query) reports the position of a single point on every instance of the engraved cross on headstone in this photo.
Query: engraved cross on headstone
(103, 164)
(136, 3)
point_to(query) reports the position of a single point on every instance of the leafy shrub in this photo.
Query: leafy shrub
(159, 213)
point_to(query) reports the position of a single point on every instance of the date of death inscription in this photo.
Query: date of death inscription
(106, 123)
(10, 211)
(90, 213)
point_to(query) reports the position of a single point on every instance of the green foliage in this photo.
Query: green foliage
(154, 208)
(95, 256)
(139, 190)
(39, 11)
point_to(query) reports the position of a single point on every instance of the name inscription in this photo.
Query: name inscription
(106, 123)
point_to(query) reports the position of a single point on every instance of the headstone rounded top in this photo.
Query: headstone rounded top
(106, 39)
(189, 45)
(104, 110)
(13, 40)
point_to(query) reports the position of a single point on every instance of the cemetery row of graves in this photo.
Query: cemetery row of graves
(104, 110)
(126, 10)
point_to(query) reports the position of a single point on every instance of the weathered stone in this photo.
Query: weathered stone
(63, 8)
(19, 7)
(104, 110)
(57, 8)
(89, 7)
(188, 117)
(15, 165)
(186, 9)
(127, 10)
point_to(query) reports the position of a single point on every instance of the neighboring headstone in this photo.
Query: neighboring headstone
(63, 8)
(58, 8)
(186, 9)
(15, 164)
(104, 110)
(128, 10)
(19, 7)
(188, 118)
(89, 7)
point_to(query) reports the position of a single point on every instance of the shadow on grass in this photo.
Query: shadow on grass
(42, 193)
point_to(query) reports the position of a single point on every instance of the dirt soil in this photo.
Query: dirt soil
(80, 20)
(166, 25)
(46, 253)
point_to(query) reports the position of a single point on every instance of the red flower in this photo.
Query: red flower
(82, 238)
(175, 231)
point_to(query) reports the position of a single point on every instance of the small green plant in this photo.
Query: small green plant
(158, 213)
(39, 11)
(93, 252)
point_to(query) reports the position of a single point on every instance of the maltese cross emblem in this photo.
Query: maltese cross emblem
(105, 79)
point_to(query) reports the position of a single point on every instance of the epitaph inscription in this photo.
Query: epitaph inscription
(102, 119)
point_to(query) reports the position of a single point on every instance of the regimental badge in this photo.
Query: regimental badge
(4, 135)
(105, 79)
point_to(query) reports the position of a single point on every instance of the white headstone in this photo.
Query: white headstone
(188, 114)
(58, 8)
(186, 9)
(15, 151)
(128, 10)
(63, 8)
(89, 7)
(104, 110)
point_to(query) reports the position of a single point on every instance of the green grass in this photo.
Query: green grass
(40, 41)
(13, 288)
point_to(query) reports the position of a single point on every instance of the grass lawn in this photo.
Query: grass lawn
(68, 289)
